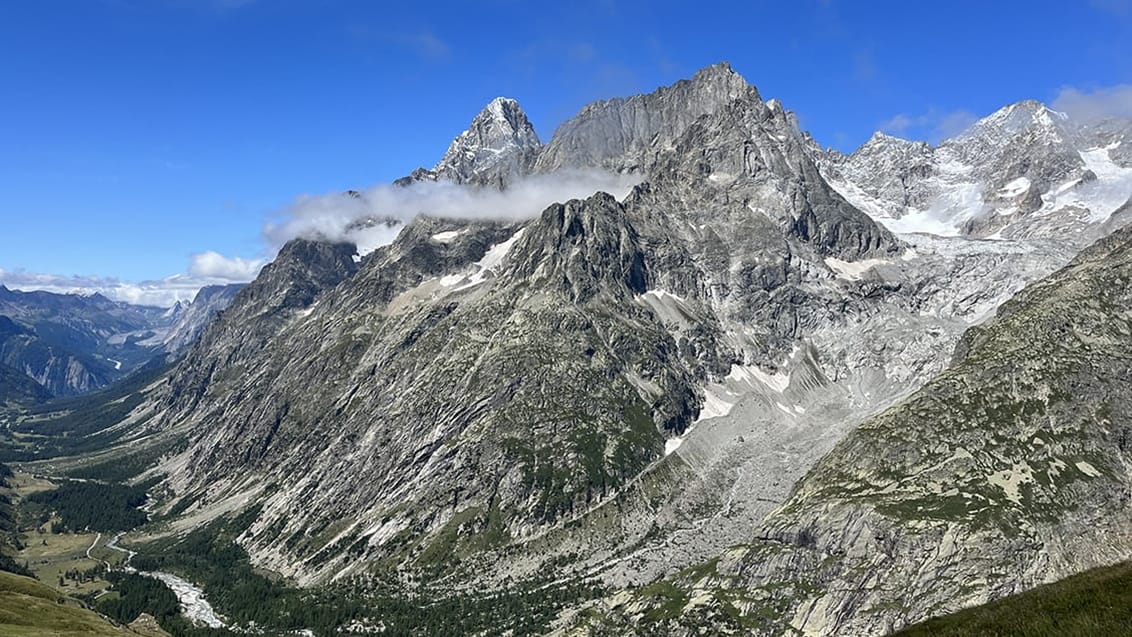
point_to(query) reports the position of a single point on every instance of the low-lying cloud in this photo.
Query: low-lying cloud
(213, 265)
(343, 217)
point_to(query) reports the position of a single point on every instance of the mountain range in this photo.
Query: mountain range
(72, 344)
(772, 389)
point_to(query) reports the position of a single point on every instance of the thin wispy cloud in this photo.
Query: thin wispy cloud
(898, 124)
(1120, 8)
(1095, 104)
(426, 45)
(954, 122)
(555, 50)
(864, 66)
(932, 126)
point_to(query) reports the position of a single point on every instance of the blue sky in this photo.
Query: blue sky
(138, 133)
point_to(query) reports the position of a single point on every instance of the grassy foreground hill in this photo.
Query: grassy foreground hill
(29, 608)
(1096, 602)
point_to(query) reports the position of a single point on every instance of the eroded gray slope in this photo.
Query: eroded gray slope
(1007, 470)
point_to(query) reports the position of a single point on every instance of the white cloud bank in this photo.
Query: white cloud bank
(205, 268)
(213, 265)
(339, 217)
(160, 292)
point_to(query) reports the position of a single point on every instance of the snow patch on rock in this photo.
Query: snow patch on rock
(852, 270)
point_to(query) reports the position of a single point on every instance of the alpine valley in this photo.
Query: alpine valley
(765, 388)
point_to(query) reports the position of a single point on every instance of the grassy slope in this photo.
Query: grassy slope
(1096, 602)
(30, 608)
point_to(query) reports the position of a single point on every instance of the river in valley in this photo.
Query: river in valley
(194, 606)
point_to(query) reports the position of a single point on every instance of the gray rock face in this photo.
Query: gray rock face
(18, 389)
(1001, 473)
(584, 249)
(190, 320)
(1113, 134)
(618, 134)
(751, 157)
(301, 271)
(896, 174)
(499, 146)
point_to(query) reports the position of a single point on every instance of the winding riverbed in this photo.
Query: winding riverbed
(193, 604)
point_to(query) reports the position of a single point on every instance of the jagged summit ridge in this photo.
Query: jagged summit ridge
(1019, 117)
(499, 137)
(617, 134)
(1024, 171)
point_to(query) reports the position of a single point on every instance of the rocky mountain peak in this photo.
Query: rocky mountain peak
(302, 270)
(988, 181)
(193, 318)
(720, 77)
(1018, 118)
(622, 133)
(501, 124)
(584, 246)
(499, 144)
(883, 138)
(176, 310)
(888, 150)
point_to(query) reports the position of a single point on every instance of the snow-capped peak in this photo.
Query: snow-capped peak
(881, 137)
(504, 108)
(1017, 118)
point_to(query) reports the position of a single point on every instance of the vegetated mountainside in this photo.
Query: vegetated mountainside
(79, 426)
(71, 344)
(9, 525)
(1094, 602)
(17, 388)
(59, 357)
(611, 389)
(1007, 470)
(30, 608)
